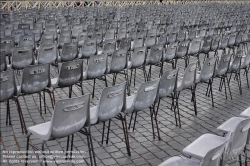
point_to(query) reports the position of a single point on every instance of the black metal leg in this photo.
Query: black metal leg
(229, 87)
(103, 130)
(93, 92)
(135, 77)
(91, 143)
(156, 122)
(125, 134)
(135, 121)
(44, 102)
(194, 100)
(158, 107)
(27, 149)
(71, 149)
(173, 106)
(126, 128)
(8, 119)
(240, 161)
(240, 88)
(177, 106)
(44, 158)
(211, 90)
(67, 147)
(70, 91)
(152, 122)
(246, 71)
(40, 99)
(51, 99)
(23, 125)
(131, 117)
(81, 88)
(225, 87)
(221, 84)
(89, 146)
(105, 79)
(107, 138)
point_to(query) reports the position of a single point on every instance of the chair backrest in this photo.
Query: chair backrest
(223, 64)
(110, 46)
(138, 41)
(170, 52)
(70, 73)
(22, 57)
(208, 68)
(97, 66)
(47, 53)
(168, 82)
(194, 46)
(146, 95)
(239, 138)
(3, 62)
(36, 32)
(7, 44)
(47, 38)
(150, 40)
(237, 60)
(155, 54)
(189, 75)
(125, 44)
(35, 78)
(215, 43)
(89, 48)
(138, 57)
(182, 49)
(82, 36)
(214, 156)
(69, 51)
(112, 102)
(16, 33)
(118, 60)
(70, 116)
(7, 85)
(232, 39)
(27, 40)
(65, 37)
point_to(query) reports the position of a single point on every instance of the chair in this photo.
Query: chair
(36, 32)
(76, 29)
(181, 52)
(8, 90)
(27, 40)
(70, 74)
(47, 38)
(150, 40)
(47, 53)
(96, 69)
(7, 44)
(138, 42)
(36, 79)
(125, 43)
(204, 149)
(145, 97)
(16, 33)
(194, 49)
(168, 55)
(105, 111)
(69, 52)
(118, 64)
(205, 75)
(137, 61)
(22, 57)
(171, 38)
(154, 57)
(167, 85)
(89, 48)
(239, 127)
(69, 117)
(109, 46)
(65, 37)
(185, 82)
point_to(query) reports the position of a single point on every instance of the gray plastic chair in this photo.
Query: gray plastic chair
(239, 127)
(205, 75)
(208, 153)
(137, 61)
(145, 97)
(150, 40)
(16, 33)
(125, 43)
(96, 69)
(36, 79)
(3, 62)
(167, 85)
(181, 36)
(47, 38)
(82, 36)
(245, 62)
(47, 53)
(171, 38)
(36, 32)
(89, 48)
(98, 35)
(70, 74)
(69, 52)
(122, 33)
(194, 49)
(27, 40)
(181, 52)
(206, 46)
(105, 111)
(185, 82)
(118, 64)
(22, 57)
(138, 41)
(7, 44)
(8, 90)
(110, 34)
(65, 37)
(76, 29)
(169, 54)
(154, 57)
(69, 117)
(109, 46)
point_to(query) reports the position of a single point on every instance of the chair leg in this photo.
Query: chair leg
(246, 71)
(67, 147)
(194, 99)
(229, 87)
(23, 125)
(145, 74)
(211, 90)
(239, 82)
(93, 92)
(8, 118)
(134, 121)
(152, 122)
(70, 91)
(44, 102)
(135, 77)
(156, 122)
(173, 106)
(71, 149)
(89, 146)
(27, 149)
(107, 138)
(81, 88)
(44, 158)
(149, 73)
(161, 70)
(158, 107)
(105, 79)
(51, 98)
(131, 117)
(246, 159)
(40, 99)
(240, 161)
(177, 107)
(103, 130)
(126, 135)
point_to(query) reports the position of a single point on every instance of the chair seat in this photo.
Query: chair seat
(180, 161)
(93, 115)
(41, 131)
(54, 82)
(230, 124)
(202, 145)
(246, 113)
(198, 77)
(84, 75)
(130, 104)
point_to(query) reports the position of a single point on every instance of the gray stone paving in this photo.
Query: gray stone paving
(144, 149)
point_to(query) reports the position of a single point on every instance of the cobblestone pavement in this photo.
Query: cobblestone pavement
(144, 149)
